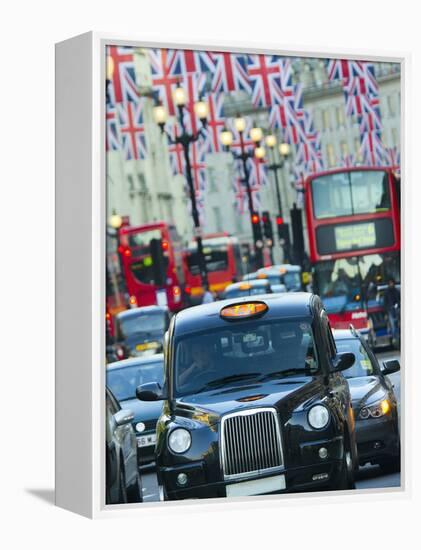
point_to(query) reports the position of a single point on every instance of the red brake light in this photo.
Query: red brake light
(128, 252)
(187, 290)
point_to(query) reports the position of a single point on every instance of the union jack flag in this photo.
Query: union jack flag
(192, 61)
(215, 123)
(164, 79)
(309, 157)
(359, 73)
(112, 138)
(265, 78)
(176, 158)
(132, 130)
(123, 85)
(230, 73)
(372, 149)
(393, 157)
(240, 194)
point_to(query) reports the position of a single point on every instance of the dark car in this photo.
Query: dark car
(123, 377)
(123, 483)
(247, 288)
(254, 401)
(374, 402)
(141, 330)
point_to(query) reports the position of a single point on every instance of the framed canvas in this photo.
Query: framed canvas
(228, 268)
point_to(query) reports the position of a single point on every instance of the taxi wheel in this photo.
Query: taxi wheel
(162, 493)
(123, 489)
(346, 480)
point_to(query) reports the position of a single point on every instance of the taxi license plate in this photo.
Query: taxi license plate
(256, 486)
(146, 440)
(147, 345)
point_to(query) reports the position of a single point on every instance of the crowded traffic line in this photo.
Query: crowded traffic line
(250, 394)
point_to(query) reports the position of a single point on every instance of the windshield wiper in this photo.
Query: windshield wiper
(285, 373)
(227, 379)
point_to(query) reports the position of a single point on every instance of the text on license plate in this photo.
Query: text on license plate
(256, 486)
(146, 440)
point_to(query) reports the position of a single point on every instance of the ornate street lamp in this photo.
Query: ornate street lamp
(284, 151)
(256, 135)
(185, 139)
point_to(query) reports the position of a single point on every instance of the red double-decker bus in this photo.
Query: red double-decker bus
(152, 264)
(353, 223)
(224, 264)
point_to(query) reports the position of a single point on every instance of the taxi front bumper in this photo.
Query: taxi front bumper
(312, 474)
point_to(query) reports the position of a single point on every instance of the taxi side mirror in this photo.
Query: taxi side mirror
(389, 367)
(343, 361)
(151, 391)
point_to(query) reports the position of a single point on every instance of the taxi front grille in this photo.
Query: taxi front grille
(250, 443)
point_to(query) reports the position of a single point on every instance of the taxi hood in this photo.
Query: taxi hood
(209, 406)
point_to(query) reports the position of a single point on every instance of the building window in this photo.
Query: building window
(326, 119)
(330, 155)
(344, 148)
(340, 117)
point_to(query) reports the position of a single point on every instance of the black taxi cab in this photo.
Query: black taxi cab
(254, 401)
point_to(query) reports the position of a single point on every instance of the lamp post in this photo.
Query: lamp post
(185, 139)
(256, 136)
(284, 151)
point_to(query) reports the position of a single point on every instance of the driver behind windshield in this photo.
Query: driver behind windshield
(253, 353)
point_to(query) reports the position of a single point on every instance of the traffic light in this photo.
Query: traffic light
(267, 228)
(257, 229)
(158, 261)
(283, 230)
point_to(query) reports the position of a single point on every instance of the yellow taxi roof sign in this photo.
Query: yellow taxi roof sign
(245, 310)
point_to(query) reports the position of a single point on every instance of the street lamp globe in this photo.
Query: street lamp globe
(115, 221)
(256, 134)
(259, 152)
(270, 140)
(201, 108)
(226, 138)
(160, 114)
(240, 123)
(284, 149)
(110, 67)
(179, 96)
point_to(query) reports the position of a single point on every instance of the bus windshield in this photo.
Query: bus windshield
(216, 258)
(350, 193)
(343, 284)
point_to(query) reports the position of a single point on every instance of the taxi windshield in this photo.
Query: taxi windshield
(250, 352)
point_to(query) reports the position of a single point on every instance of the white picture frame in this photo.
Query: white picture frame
(80, 287)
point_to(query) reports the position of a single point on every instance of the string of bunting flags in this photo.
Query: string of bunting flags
(266, 79)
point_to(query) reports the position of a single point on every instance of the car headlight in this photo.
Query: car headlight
(318, 417)
(179, 440)
(376, 410)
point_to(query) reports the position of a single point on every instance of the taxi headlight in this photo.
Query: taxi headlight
(376, 410)
(179, 440)
(318, 417)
